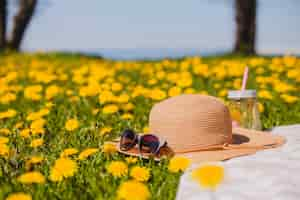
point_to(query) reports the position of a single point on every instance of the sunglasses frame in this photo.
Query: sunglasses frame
(138, 141)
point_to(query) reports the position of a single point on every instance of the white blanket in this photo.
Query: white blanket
(270, 174)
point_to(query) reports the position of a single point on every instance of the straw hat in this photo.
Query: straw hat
(199, 127)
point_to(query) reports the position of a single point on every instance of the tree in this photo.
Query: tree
(20, 23)
(245, 17)
(3, 14)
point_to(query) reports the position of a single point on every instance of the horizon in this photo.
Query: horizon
(143, 29)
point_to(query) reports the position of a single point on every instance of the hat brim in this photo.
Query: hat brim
(245, 142)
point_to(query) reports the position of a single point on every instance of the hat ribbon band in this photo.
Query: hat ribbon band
(206, 148)
(227, 146)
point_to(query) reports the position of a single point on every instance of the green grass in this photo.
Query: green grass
(92, 180)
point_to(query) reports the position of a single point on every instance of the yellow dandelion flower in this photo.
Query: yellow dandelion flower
(152, 81)
(203, 92)
(71, 125)
(37, 115)
(7, 98)
(5, 131)
(178, 164)
(8, 114)
(19, 125)
(31, 177)
(185, 82)
(217, 85)
(69, 92)
(128, 107)
(265, 94)
(237, 83)
(109, 148)
(282, 87)
(123, 98)
(105, 130)
(222, 93)
(36, 143)
(4, 150)
(110, 109)
(33, 92)
(106, 96)
(116, 87)
(37, 123)
(44, 111)
(3, 140)
(133, 190)
(87, 152)
(158, 94)
(37, 126)
(68, 167)
(127, 116)
(260, 107)
(68, 152)
(189, 91)
(19, 196)
(56, 175)
(33, 160)
(209, 176)
(63, 168)
(174, 91)
(52, 91)
(117, 168)
(289, 98)
(25, 133)
(36, 159)
(260, 70)
(146, 129)
(131, 160)
(92, 89)
(140, 173)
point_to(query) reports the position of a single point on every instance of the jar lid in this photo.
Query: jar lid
(241, 94)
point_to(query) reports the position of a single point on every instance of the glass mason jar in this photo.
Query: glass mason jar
(243, 108)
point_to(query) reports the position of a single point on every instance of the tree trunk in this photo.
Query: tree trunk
(3, 14)
(21, 20)
(245, 11)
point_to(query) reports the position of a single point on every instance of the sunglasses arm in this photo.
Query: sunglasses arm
(161, 144)
(139, 146)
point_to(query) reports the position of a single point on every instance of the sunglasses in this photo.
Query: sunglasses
(148, 143)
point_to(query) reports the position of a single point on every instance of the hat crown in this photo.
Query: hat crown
(189, 122)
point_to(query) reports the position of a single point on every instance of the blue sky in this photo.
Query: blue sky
(97, 25)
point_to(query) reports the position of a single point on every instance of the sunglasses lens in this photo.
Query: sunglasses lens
(149, 143)
(128, 140)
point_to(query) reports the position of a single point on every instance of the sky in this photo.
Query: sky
(136, 28)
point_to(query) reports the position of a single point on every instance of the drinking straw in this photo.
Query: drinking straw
(245, 78)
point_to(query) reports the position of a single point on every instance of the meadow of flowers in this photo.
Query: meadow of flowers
(58, 114)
